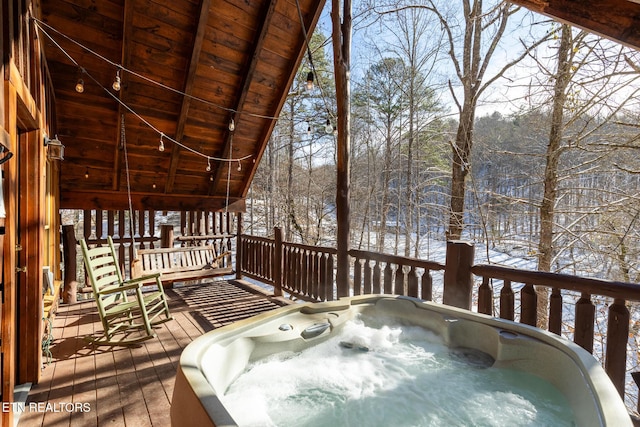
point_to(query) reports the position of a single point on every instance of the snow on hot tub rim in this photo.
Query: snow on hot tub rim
(609, 406)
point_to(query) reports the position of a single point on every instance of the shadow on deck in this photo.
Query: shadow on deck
(86, 384)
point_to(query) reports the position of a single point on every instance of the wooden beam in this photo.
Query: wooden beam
(188, 89)
(261, 143)
(265, 19)
(113, 200)
(618, 20)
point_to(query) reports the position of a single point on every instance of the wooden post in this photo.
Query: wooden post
(238, 247)
(458, 283)
(277, 262)
(166, 236)
(69, 255)
(341, 25)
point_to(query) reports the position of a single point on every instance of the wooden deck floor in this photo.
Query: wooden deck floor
(89, 385)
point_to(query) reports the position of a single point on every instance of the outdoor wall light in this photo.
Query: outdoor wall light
(55, 149)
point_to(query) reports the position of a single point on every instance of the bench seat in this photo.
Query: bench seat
(182, 263)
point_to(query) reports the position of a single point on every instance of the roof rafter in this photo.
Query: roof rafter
(265, 19)
(188, 89)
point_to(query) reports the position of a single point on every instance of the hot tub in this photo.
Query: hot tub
(211, 363)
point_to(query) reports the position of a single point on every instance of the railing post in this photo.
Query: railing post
(69, 254)
(277, 262)
(166, 236)
(458, 283)
(238, 247)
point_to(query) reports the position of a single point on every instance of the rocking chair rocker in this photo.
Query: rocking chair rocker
(127, 314)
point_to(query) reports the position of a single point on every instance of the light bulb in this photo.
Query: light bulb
(309, 130)
(232, 125)
(239, 166)
(86, 174)
(208, 166)
(161, 146)
(80, 86)
(335, 131)
(309, 83)
(154, 186)
(116, 82)
(328, 128)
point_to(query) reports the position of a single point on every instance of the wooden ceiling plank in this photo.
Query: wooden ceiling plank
(188, 89)
(266, 16)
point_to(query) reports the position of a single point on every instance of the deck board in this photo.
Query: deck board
(130, 386)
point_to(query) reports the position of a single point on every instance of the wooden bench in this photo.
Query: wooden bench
(181, 263)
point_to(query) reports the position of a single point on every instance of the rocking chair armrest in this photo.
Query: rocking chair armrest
(119, 288)
(143, 278)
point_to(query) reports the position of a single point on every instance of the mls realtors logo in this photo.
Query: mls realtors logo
(19, 407)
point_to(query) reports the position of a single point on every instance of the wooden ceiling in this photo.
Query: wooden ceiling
(187, 67)
(618, 20)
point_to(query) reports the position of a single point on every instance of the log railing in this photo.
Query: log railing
(376, 273)
(616, 295)
(307, 272)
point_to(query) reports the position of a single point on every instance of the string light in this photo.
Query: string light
(328, 128)
(232, 125)
(86, 173)
(309, 129)
(239, 166)
(80, 88)
(208, 165)
(80, 84)
(116, 83)
(309, 83)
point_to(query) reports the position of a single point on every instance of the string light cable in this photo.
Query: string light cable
(307, 42)
(161, 134)
(120, 67)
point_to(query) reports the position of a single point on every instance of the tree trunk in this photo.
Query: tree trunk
(554, 150)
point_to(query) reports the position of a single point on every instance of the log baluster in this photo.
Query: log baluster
(412, 282)
(585, 318)
(427, 286)
(388, 277)
(507, 301)
(366, 288)
(617, 337)
(357, 276)
(485, 297)
(555, 311)
(528, 305)
(398, 288)
(375, 287)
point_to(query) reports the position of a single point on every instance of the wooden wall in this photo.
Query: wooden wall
(29, 232)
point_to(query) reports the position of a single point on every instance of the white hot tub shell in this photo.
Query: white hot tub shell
(227, 352)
